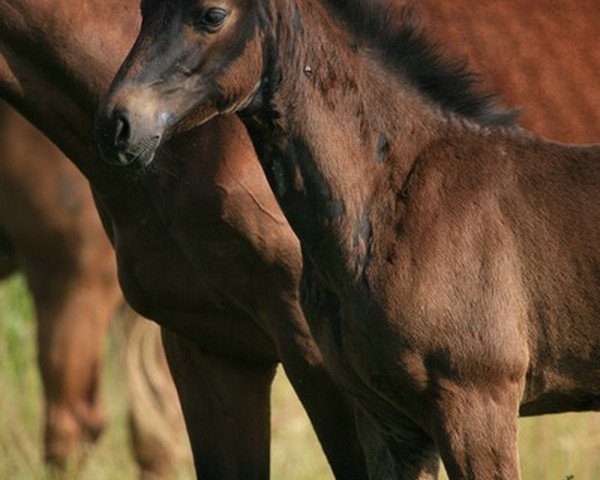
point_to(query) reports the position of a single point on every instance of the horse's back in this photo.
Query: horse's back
(540, 56)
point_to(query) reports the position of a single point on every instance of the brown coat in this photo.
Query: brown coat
(450, 260)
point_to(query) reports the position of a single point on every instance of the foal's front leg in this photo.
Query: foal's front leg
(330, 411)
(476, 431)
(225, 403)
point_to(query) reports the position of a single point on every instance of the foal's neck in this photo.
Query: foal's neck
(334, 131)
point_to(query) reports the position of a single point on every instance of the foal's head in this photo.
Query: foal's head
(193, 59)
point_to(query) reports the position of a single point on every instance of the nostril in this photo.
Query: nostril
(122, 130)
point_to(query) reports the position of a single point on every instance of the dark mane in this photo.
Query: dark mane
(398, 34)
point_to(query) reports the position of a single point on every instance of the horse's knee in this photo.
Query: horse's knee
(476, 432)
(155, 456)
(93, 422)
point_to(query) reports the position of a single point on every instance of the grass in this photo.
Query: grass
(559, 447)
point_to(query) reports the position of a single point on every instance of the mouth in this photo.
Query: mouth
(131, 160)
(139, 155)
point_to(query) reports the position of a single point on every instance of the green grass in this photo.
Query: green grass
(554, 447)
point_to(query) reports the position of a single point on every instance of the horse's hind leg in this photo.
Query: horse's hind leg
(226, 406)
(476, 432)
(158, 434)
(74, 306)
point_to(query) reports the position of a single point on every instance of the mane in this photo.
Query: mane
(397, 34)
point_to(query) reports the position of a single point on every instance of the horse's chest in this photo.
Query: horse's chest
(154, 275)
(152, 286)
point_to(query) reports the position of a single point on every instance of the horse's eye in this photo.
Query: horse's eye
(213, 19)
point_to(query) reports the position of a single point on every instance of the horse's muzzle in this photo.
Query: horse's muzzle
(121, 144)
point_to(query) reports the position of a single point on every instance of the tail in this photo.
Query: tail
(158, 434)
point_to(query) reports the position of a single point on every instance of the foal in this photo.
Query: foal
(451, 272)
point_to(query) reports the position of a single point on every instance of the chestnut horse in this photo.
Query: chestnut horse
(451, 263)
(49, 228)
(202, 247)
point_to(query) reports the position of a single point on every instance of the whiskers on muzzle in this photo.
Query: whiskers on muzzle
(141, 153)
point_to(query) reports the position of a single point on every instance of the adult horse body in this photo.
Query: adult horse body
(450, 267)
(224, 275)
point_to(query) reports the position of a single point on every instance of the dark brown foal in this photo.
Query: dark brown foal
(450, 260)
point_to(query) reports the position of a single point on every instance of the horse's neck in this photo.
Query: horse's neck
(343, 127)
(56, 60)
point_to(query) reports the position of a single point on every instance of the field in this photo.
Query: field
(556, 447)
